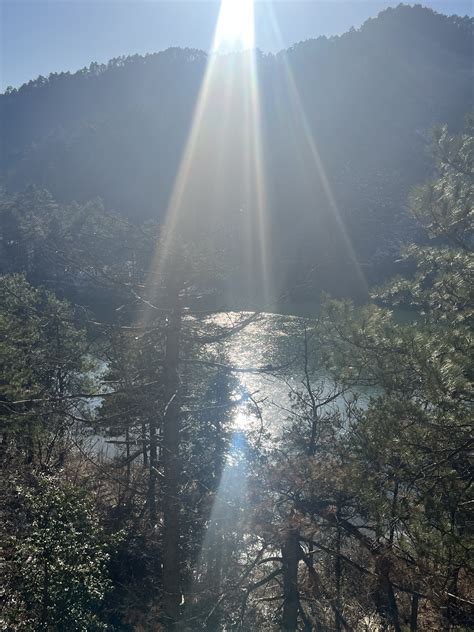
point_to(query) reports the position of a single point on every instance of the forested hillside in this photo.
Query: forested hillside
(369, 97)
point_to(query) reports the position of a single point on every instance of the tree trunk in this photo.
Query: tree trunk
(314, 406)
(153, 471)
(414, 612)
(338, 575)
(127, 454)
(171, 468)
(384, 597)
(144, 446)
(290, 554)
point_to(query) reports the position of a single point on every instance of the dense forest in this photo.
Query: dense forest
(154, 477)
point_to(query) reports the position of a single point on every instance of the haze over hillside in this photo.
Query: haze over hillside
(368, 98)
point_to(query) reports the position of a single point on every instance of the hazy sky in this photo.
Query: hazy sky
(43, 36)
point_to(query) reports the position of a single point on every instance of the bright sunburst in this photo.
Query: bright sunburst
(235, 27)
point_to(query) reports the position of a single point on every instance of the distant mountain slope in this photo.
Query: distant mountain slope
(370, 98)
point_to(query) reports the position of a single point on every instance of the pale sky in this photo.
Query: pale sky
(42, 36)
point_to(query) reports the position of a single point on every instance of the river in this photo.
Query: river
(274, 340)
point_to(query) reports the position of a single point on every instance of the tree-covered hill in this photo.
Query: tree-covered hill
(370, 98)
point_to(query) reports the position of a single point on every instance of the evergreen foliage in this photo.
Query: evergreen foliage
(57, 558)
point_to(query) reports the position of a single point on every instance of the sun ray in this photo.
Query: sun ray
(305, 137)
(223, 155)
(230, 508)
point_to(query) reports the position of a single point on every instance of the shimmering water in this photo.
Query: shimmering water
(275, 343)
(272, 349)
(268, 355)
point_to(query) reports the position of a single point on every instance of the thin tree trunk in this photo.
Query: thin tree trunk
(171, 468)
(393, 513)
(30, 444)
(338, 574)
(314, 406)
(393, 608)
(290, 554)
(384, 597)
(127, 453)
(144, 446)
(153, 471)
(414, 612)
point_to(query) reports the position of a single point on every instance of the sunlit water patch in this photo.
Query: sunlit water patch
(268, 355)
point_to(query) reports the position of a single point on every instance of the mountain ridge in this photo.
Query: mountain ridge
(370, 98)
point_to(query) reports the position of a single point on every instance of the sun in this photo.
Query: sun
(235, 26)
